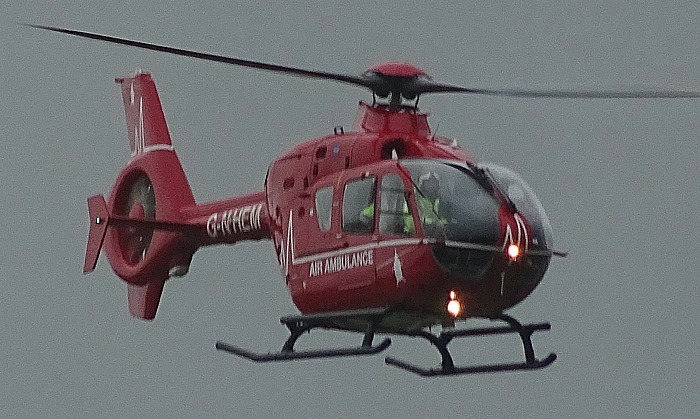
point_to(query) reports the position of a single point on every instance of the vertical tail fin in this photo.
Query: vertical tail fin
(145, 121)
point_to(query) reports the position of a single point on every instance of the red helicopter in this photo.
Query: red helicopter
(386, 228)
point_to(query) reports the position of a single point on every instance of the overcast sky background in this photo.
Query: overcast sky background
(618, 178)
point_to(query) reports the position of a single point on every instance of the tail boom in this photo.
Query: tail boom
(232, 220)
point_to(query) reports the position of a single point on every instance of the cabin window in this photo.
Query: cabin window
(324, 203)
(358, 205)
(395, 215)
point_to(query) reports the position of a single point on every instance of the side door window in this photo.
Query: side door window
(324, 205)
(395, 214)
(358, 205)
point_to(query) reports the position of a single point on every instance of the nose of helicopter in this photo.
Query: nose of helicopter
(465, 252)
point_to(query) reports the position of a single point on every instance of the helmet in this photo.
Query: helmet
(429, 184)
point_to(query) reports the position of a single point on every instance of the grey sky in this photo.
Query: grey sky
(618, 178)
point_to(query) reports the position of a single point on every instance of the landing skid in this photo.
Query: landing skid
(447, 364)
(304, 323)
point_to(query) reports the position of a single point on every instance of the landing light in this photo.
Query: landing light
(454, 307)
(513, 251)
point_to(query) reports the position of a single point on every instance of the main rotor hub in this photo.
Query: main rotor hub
(396, 79)
(397, 69)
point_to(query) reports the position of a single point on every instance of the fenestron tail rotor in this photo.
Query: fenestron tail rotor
(141, 205)
(397, 80)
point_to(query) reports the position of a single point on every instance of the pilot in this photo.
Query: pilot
(429, 185)
(428, 202)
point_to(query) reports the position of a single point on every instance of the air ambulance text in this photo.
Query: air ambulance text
(341, 263)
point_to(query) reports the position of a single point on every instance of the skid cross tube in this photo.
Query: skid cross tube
(297, 325)
(447, 366)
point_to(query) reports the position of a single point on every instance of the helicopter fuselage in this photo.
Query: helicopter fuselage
(333, 259)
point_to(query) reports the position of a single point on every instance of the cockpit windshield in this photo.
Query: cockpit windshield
(457, 204)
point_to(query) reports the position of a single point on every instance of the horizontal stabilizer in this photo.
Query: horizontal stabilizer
(99, 216)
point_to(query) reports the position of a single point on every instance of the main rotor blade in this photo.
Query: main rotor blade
(408, 87)
(590, 94)
(356, 80)
(432, 87)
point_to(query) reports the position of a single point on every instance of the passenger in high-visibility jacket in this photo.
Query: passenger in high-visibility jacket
(428, 203)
